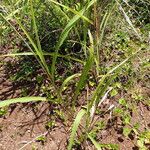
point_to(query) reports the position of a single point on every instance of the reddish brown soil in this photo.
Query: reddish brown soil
(24, 125)
(114, 133)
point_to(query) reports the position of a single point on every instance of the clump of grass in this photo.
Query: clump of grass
(88, 23)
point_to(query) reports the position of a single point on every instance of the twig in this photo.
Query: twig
(44, 134)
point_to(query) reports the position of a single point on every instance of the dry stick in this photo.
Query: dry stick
(93, 109)
(44, 134)
(105, 96)
(128, 20)
(142, 116)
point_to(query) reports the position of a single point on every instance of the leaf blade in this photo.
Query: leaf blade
(21, 100)
(76, 123)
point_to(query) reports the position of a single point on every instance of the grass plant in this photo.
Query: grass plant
(89, 23)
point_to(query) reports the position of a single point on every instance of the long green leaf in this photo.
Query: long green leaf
(22, 38)
(76, 123)
(65, 33)
(38, 47)
(68, 80)
(96, 144)
(35, 50)
(100, 146)
(21, 100)
(44, 53)
(86, 69)
(73, 11)
(36, 30)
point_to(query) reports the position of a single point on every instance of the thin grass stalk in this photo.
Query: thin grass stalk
(40, 52)
(86, 27)
(105, 22)
(86, 69)
(38, 48)
(21, 38)
(97, 35)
